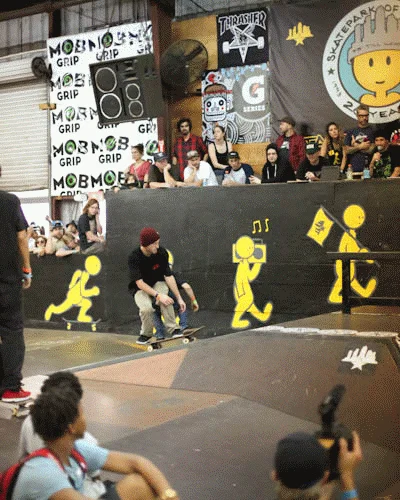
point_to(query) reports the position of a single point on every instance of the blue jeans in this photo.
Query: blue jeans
(159, 325)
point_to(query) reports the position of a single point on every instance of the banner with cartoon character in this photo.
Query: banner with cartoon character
(238, 99)
(242, 38)
(329, 58)
(85, 155)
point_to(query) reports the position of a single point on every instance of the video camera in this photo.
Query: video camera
(332, 431)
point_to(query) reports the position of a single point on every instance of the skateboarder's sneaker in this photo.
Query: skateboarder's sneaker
(160, 338)
(15, 396)
(142, 340)
(177, 334)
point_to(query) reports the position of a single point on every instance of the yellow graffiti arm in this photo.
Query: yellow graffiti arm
(254, 272)
(75, 278)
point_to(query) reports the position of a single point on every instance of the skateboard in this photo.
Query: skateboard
(18, 410)
(188, 336)
(81, 324)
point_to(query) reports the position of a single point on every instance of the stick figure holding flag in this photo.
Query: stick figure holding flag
(354, 218)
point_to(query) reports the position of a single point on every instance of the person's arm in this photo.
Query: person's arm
(165, 300)
(90, 236)
(356, 147)
(203, 149)
(190, 179)
(344, 160)
(396, 172)
(190, 293)
(254, 180)
(49, 248)
(347, 463)
(63, 252)
(23, 249)
(171, 282)
(213, 157)
(98, 225)
(229, 146)
(128, 463)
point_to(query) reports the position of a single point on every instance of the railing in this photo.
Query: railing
(346, 257)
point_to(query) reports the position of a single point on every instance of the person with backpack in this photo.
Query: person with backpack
(57, 472)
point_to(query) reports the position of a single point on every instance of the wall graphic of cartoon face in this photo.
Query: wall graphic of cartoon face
(215, 108)
(378, 71)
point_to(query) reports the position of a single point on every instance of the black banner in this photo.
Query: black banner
(242, 38)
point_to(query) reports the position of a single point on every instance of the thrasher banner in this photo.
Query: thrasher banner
(238, 99)
(242, 38)
(327, 58)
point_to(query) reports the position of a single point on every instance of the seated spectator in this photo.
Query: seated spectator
(90, 230)
(302, 468)
(162, 174)
(55, 240)
(137, 174)
(33, 232)
(71, 245)
(276, 169)
(29, 441)
(58, 418)
(291, 146)
(218, 152)
(310, 168)
(184, 143)
(198, 172)
(333, 148)
(385, 157)
(40, 246)
(237, 173)
(72, 228)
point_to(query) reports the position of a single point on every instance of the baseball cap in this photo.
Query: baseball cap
(56, 223)
(160, 155)
(148, 236)
(233, 154)
(289, 120)
(312, 147)
(192, 154)
(300, 461)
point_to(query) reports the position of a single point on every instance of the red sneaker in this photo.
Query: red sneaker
(15, 396)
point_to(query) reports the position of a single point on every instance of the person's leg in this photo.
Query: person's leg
(183, 319)
(131, 486)
(12, 336)
(167, 311)
(158, 323)
(146, 313)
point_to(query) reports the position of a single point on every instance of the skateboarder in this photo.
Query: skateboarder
(150, 278)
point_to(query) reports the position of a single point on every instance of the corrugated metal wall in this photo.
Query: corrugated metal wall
(191, 8)
(23, 34)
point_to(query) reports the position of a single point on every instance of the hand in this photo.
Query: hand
(95, 291)
(164, 299)
(182, 305)
(365, 145)
(254, 180)
(167, 166)
(349, 460)
(195, 305)
(377, 156)
(26, 283)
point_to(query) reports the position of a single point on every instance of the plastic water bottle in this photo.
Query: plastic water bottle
(204, 182)
(366, 172)
(349, 173)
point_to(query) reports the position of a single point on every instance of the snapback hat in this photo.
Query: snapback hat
(148, 236)
(233, 154)
(300, 461)
(160, 155)
(312, 147)
(56, 223)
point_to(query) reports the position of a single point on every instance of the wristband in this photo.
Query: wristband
(194, 302)
(348, 495)
(27, 276)
(26, 270)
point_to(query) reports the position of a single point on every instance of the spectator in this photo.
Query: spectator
(333, 148)
(137, 174)
(358, 141)
(162, 174)
(70, 246)
(72, 228)
(58, 418)
(310, 168)
(291, 146)
(275, 169)
(55, 240)
(386, 157)
(33, 233)
(302, 468)
(40, 246)
(198, 172)
(236, 173)
(29, 441)
(90, 230)
(218, 152)
(187, 142)
(15, 275)
(393, 130)
(150, 279)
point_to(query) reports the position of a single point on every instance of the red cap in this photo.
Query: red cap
(148, 236)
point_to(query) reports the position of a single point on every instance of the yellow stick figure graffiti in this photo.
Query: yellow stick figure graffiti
(354, 218)
(78, 295)
(249, 256)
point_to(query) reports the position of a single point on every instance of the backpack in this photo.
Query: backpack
(8, 478)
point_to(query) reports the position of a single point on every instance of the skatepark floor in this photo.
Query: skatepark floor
(210, 413)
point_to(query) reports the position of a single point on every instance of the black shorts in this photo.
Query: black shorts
(111, 492)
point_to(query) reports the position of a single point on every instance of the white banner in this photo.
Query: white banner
(85, 155)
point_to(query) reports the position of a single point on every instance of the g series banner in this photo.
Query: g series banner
(329, 57)
(238, 99)
(85, 155)
(242, 38)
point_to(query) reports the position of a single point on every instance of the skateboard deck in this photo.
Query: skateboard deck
(188, 336)
(81, 325)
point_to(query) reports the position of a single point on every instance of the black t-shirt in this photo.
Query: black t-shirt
(83, 227)
(149, 269)
(155, 175)
(12, 220)
(305, 166)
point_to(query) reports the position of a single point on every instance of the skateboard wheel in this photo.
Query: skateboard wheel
(186, 340)
(68, 326)
(94, 327)
(149, 348)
